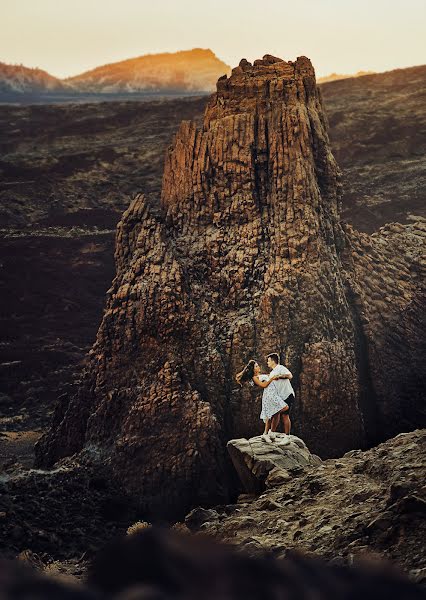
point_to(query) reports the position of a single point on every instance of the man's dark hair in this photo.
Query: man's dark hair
(275, 357)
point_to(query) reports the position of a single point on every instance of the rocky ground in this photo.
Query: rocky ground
(378, 136)
(363, 507)
(79, 164)
(58, 520)
(52, 284)
(365, 503)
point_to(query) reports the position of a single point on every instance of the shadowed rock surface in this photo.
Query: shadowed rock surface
(161, 565)
(247, 255)
(366, 503)
(64, 513)
(50, 286)
(378, 136)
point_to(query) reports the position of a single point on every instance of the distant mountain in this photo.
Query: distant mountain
(336, 76)
(17, 79)
(188, 70)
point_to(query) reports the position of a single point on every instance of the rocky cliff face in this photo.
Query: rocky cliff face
(247, 256)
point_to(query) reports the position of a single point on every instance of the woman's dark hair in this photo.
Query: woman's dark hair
(247, 373)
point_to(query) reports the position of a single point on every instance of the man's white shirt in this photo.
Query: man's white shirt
(284, 386)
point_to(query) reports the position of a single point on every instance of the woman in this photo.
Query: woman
(272, 403)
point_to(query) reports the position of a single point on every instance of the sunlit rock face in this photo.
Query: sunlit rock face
(246, 256)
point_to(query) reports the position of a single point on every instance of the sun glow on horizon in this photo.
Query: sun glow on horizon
(67, 39)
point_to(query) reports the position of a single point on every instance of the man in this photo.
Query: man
(285, 390)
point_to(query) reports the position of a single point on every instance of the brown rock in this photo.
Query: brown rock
(257, 461)
(248, 256)
(341, 515)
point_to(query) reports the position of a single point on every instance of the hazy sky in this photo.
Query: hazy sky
(67, 37)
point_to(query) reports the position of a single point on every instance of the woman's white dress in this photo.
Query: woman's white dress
(271, 400)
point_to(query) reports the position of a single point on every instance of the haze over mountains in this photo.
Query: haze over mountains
(23, 80)
(336, 76)
(186, 71)
(195, 70)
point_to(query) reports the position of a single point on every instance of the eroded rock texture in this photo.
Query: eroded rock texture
(364, 504)
(248, 256)
(258, 463)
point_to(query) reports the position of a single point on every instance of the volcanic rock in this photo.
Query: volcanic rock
(255, 459)
(161, 564)
(247, 256)
(364, 504)
(62, 513)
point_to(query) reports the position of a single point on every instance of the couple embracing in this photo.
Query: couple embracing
(277, 397)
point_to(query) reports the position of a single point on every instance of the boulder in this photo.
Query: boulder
(258, 462)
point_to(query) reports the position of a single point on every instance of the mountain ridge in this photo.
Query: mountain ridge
(194, 70)
(41, 81)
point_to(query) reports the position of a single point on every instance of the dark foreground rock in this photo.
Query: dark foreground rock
(60, 514)
(163, 565)
(364, 504)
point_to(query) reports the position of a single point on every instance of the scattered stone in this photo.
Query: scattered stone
(199, 516)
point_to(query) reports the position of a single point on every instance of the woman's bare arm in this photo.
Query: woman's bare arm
(262, 384)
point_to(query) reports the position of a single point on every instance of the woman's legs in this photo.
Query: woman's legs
(275, 420)
(265, 434)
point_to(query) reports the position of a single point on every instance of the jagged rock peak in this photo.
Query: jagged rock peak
(265, 69)
(263, 140)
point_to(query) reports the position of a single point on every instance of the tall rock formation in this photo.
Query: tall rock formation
(246, 256)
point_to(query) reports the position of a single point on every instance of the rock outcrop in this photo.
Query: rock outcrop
(247, 256)
(364, 504)
(257, 462)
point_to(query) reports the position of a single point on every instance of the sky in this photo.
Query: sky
(68, 37)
